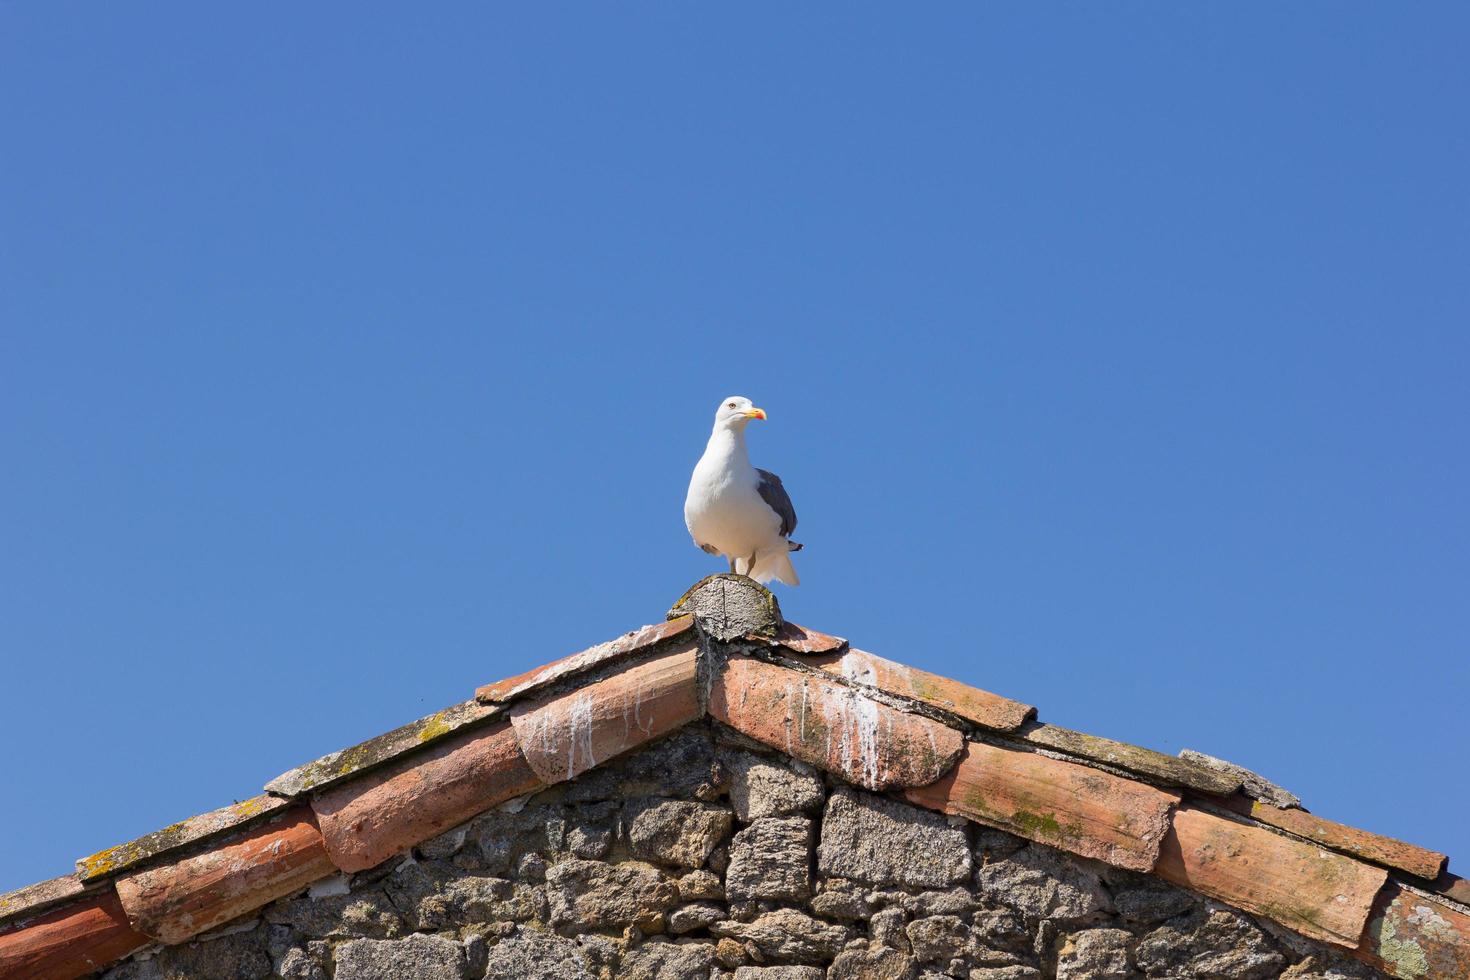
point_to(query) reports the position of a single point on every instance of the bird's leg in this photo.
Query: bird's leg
(732, 566)
(750, 562)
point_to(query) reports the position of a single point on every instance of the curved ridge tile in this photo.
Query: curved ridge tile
(1412, 937)
(1317, 892)
(970, 703)
(175, 902)
(564, 736)
(831, 725)
(368, 820)
(1064, 804)
(71, 941)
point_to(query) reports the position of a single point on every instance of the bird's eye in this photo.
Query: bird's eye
(731, 405)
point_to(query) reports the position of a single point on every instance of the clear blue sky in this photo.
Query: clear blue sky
(350, 357)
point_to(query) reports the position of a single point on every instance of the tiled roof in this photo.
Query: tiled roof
(726, 653)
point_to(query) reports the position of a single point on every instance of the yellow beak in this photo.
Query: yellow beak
(755, 413)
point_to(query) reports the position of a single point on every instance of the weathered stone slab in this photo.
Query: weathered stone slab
(1416, 938)
(566, 735)
(970, 703)
(70, 941)
(179, 835)
(728, 607)
(370, 819)
(177, 901)
(624, 647)
(831, 725)
(1340, 837)
(344, 764)
(1252, 784)
(883, 842)
(1156, 766)
(1317, 892)
(33, 899)
(1064, 804)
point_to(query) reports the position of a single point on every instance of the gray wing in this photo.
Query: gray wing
(776, 498)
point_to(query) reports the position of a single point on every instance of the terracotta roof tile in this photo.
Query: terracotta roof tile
(831, 725)
(1372, 847)
(176, 836)
(370, 819)
(622, 648)
(32, 899)
(1414, 937)
(566, 735)
(177, 901)
(970, 703)
(344, 764)
(1064, 804)
(799, 639)
(1315, 891)
(863, 718)
(1156, 766)
(69, 942)
(1453, 886)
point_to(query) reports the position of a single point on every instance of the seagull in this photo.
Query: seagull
(736, 510)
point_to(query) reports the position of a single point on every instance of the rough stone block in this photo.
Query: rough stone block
(761, 787)
(532, 953)
(1096, 954)
(780, 973)
(1210, 943)
(884, 842)
(668, 961)
(677, 832)
(1044, 883)
(787, 936)
(594, 894)
(416, 957)
(771, 860)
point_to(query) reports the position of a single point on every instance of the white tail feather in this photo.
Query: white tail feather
(775, 564)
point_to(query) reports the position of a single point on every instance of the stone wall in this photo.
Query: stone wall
(705, 857)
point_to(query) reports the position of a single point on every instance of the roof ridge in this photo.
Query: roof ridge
(726, 653)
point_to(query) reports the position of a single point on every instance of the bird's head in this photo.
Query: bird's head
(734, 412)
